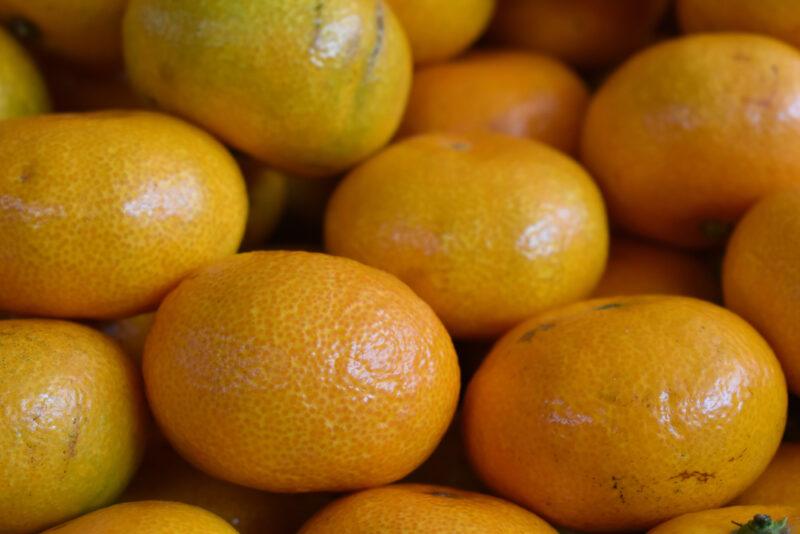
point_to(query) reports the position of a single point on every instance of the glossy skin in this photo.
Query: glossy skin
(72, 422)
(586, 33)
(22, 90)
(514, 93)
(638, 267)
(721, 521)
(295, 372)
(487, 229)
(616, 414)
(688, 134)
(130, 333)
(147, 517)
(102, 214)
(83, 31)
(777, 18)
(778, 484)
(413, 508)
(441, 29)
(267, 190)
(760, 277)
(304, 91)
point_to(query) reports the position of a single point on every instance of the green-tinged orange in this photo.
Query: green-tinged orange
(22, 89)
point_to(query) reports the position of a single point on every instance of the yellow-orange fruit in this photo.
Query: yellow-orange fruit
(147, 517)
(407, 508)
(617, 414)
(731, 520)
(510, 92)
(101, 214)
(487, 229)
(295, 372)
(778, 484)
(72, 422)
(307, 87)
(22, 89)
(688, 134)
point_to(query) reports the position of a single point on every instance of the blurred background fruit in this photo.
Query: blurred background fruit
(778, 484)
(22, 89)
(267, 191)
(130, 333)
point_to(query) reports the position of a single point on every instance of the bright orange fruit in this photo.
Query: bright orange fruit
(725, 521)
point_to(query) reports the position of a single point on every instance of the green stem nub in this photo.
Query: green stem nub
(763, 524)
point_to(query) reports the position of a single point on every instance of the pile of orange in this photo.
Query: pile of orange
(399, 266)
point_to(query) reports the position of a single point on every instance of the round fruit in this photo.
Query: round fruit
(778, 18)
(147, 517)
(688, 134)
(515, 93)
(73, 422)
(441, 29)
(637, 267)
(735, 520)
(760, 277)
(587, 33)
(778, 484)
(22, 89)
(616, 414)
(85, 31)
(102, 214)
(267, 190)
(307, 87)
(406, 508)
(130, 333)
(296, 372)
(487, 229)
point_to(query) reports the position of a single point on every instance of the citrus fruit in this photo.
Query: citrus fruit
(22, 89)
(102, 214)
(511, 92)
(294, 372)
(147, 517)
(778, 484)
(440, 29)
(267, 191)
(130, 333)
(72, 422)
(487, 229)
(688, 134)
(638, 267)
(85, 31)
(587, 33)
(734, 520)
(307, 87)
(411, 508)
(778, 18)
(617, 414)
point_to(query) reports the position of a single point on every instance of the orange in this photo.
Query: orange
(294, 372)
(307, 87)
(688, 134)
(778, 18)
(760, 278)
(86, 31)
(515, 93)
(778, 484)
(617, 414)
(417, 508)
(637, 267)
(130, 333)
(441, 29)
(102, 214)
(71, 426)
(587, 33)
(725, 521)
(22, 89)
(147, 517)
(487, 229)
(267, 190)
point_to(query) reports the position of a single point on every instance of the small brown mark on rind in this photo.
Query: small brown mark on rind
(737, 457)
(699, 476)
(616, 486)
(530, 334)
(609, 306)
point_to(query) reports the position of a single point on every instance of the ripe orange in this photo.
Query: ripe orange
(102, 214)
(441, 29)
(85, 31)
(515, 93)
(295, 372)
(406, 508)
(778, 484)
(688, 134)
(22, 89)
(760, 276)
(147, 517)
(637, 267)
(587, 33)
(778, 18)
(72, 422)
(616, 414)
(267, 190)
(725, 521)
(307, 87)
(487, 229)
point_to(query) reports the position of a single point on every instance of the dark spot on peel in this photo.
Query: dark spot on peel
(699, 476)
(530, 334)
(74, 434)
(380, 37)
(616, 485)
(609, 306)
(737, 457)
(444, 494)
